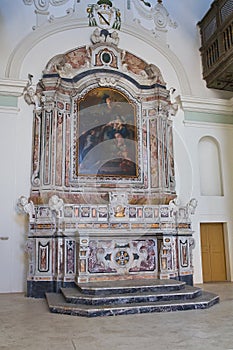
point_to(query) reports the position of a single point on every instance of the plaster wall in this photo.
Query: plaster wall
(211, 208)
(179, 62)
(15, 155)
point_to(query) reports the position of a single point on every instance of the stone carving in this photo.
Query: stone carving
(145, 253)
(122, 256)
(114, 38)
(107, 81)
(95, 36)
(153, 72)
(118, 203)
(173, 106)
(161, 17)
(119, 211)
(118, 197)
(104, 15)
(31, 96)
(26, 206)
(191, 206)
(56, 204)
(133, 64)
(42, 10)
(158, 14)
(100, 36)
(44, 5)
(174, 206)
(58, 60)
(65, 70)
(67, 65)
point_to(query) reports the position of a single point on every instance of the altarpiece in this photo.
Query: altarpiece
(103, 202)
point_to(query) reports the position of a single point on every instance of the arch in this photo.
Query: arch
(210, 167)
(23, 48)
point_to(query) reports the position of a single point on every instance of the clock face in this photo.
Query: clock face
(104, 16)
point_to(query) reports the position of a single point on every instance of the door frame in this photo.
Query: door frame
(226, 248)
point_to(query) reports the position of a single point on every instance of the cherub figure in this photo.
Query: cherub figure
(30, 95)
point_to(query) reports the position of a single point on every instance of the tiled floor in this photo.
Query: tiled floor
(26, 323)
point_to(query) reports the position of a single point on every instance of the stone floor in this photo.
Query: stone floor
(26, 323)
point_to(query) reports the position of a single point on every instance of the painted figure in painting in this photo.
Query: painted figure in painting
(107, 143)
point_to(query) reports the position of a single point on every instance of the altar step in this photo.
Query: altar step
(122, 298)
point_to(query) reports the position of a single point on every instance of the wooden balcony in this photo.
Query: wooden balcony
(216, 29)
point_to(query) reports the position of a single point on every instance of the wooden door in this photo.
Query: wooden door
(213, 252)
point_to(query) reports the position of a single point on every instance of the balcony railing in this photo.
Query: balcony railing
(216, 29)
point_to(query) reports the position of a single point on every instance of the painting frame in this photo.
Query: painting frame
(107, 138)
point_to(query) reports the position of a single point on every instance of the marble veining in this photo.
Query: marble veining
(120, 301)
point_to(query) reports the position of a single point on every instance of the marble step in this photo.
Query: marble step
(75, 296)
(129, 286)
(58, 304)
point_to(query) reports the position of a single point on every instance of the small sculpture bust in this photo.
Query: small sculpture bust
(119, 211)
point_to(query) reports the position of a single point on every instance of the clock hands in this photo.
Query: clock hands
(105, 20)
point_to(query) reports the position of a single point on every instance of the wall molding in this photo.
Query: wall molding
(8, 110)
(206, 124)
(12, 87)
(206, 105)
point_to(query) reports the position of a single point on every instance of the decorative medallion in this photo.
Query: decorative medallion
(122, 257)
(104, 15)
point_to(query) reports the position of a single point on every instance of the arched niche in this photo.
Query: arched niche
(210, 167)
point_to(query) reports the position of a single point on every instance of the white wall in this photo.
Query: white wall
(211, 208)
(15, 155)
(180, 65)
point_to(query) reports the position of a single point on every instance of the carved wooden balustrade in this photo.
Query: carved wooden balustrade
(216, 29)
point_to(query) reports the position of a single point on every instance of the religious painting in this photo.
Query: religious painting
(107, 135)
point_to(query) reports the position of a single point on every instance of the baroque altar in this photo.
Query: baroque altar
(103, 204)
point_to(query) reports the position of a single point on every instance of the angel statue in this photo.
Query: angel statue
(30, 95)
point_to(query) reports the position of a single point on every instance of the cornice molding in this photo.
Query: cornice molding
(206, 105)
(12, 87)
(8, 110)
(208, 125)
